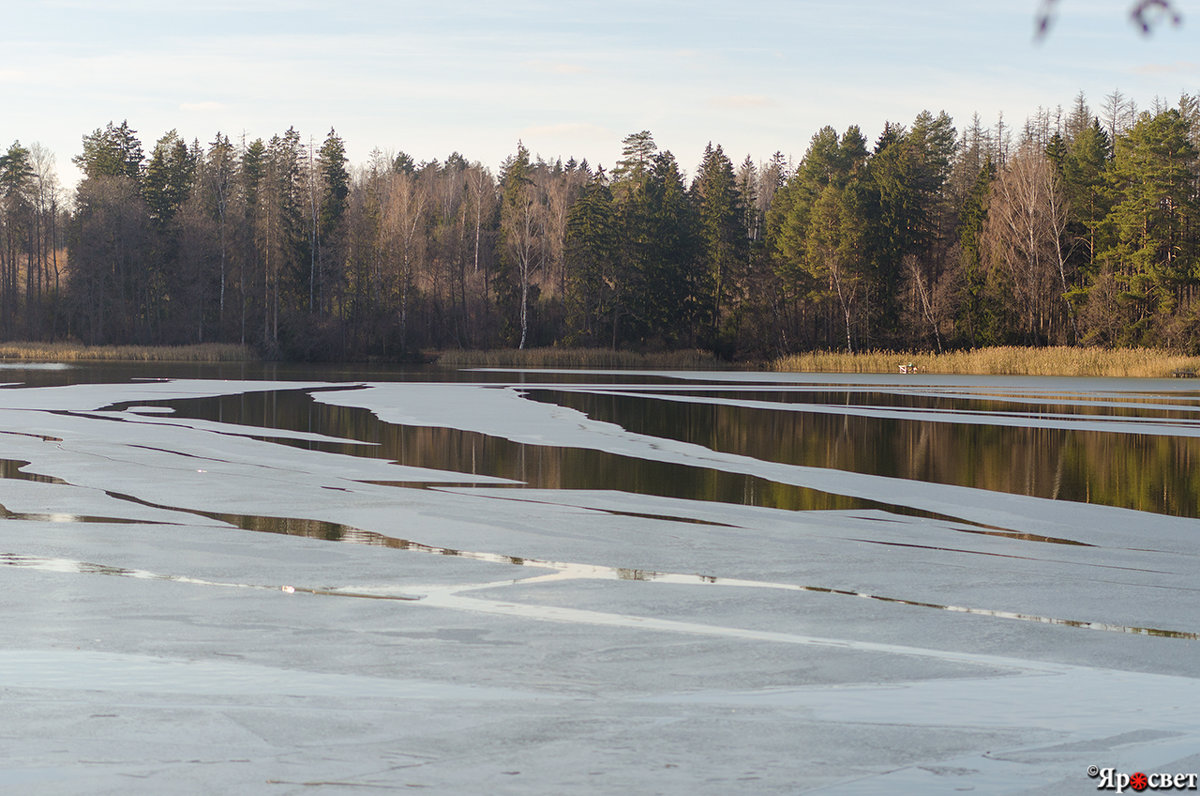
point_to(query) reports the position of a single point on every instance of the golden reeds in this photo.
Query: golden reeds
(1001, 360)
(72, 352)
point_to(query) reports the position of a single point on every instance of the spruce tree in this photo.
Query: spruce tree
(723, 241)
(169, 175)
(334, 190)
(594, 301)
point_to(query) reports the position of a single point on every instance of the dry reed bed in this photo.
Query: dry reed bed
(69, 352)
(575, 358)
(1001, 361)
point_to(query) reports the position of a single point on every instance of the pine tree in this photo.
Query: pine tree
(637, 153)
(817, 231)
(111, 152)
(1153, 254)
(1085, 185)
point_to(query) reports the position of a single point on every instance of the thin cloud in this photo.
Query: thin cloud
(1168, 69)
(559, 68)
(741, 101)
(565, 129)
(201, 107)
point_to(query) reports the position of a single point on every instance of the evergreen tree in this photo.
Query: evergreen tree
(907, 174)
(788, 218)
(403, 164)
(334, 193)
(109, 248)
(217, 179)
(16, 229)
(659, 288)
(111, 152)
(835, 256)
(1085, 184)
(669, 301)
(285, 239)
(748, 192)
(1153, 254)
(817, 217)
(723, 241)
(637, 153)
(977, 321)
(1080, 118)
(594, 299)
(521, 228)
(168, 177)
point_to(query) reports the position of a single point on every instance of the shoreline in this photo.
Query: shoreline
(71, 352)
(992, 361)
(1001, 361)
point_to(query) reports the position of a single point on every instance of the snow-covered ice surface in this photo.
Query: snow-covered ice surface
(199, 606)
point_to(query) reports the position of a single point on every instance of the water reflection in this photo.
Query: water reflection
(11, 468)
(536, 466)
(1155, 473)
(1180, 405)
(1139, 471)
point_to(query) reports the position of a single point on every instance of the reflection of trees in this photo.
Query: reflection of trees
(1151, 473)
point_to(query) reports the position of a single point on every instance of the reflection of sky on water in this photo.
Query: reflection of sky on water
(35, 366)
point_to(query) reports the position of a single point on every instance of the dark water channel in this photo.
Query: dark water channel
(1153, 473)
(536, 466)
(1146, 472)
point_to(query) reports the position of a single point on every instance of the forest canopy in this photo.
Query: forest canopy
(1081, 226)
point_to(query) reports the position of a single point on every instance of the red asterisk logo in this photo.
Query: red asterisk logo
(1138, 781)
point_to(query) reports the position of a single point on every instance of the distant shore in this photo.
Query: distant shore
(74, 352)
(997, 360)
(1001, 361)
(563, 357)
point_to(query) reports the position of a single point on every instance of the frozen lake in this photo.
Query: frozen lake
(246, 580)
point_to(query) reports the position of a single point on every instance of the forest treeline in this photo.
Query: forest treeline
(1077, 227)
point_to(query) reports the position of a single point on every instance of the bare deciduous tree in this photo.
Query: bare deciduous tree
(1024, 238)
(403, 219)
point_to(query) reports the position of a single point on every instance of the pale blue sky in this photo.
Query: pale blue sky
(567, 78)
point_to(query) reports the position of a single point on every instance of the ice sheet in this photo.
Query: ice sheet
(482, 638)
(503, 411)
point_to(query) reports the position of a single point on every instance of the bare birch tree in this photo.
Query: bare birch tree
(404, 213)
(1024, 239)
